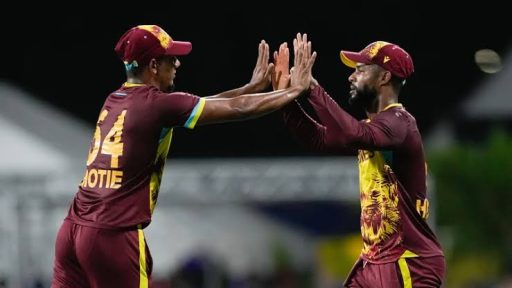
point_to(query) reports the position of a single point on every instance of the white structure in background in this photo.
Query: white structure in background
(38, 145)
(42, 162)
(491, 101)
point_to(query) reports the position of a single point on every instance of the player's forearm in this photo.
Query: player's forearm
(347, 128)
(311, 134)
(255, 105)
(303, 128)
(350, 132)
(247, 106)
(246, 89)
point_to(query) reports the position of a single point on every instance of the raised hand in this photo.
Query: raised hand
(261, 74)
(301, 74)
(281, 73)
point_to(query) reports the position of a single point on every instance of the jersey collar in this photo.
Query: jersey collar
(393, 105)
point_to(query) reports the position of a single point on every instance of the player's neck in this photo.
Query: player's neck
(380, 104)
(386, 98)
(144, 77)
(134, 80)
(385, 103)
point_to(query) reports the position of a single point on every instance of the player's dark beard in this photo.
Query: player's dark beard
(364, 98)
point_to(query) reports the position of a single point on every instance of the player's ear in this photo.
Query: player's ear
(386, 76)
(153, 66)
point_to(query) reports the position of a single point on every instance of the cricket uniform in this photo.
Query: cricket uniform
(101, 243)
(397, 241)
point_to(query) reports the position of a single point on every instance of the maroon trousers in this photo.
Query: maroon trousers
(417, 272)
(98, 258)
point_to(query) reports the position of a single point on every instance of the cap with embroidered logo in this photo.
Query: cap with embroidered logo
(142, 43)
(387, 55)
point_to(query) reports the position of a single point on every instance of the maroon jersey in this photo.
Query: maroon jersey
(392, 173)
(127, 155)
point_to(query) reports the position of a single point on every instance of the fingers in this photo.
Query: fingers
(301, 49)
(283, 54)
(309, 47)
(270, 70)
(295, 48)
(283, 49)
(263, 53)
(302, 38)
(260, 52)
(280, 77)
(305, 57)
(311, 60)
(266, 52)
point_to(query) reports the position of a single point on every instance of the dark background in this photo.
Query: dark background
(65, 56)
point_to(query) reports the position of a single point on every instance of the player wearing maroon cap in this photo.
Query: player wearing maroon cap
(101, 242)
(399, 248)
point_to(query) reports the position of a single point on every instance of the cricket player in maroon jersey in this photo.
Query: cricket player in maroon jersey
(399, 248)
(101, 241)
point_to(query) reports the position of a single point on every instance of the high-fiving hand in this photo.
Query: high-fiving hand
(301, 74)
(281, 73)
(261, 73)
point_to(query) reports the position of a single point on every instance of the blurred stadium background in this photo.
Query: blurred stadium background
(242, 204)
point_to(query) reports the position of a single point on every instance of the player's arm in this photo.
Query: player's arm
(386, 130)
(310, 133)
(344, 130)
(248, 106)
(260, 79)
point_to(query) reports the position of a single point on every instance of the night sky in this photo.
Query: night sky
(67, 58)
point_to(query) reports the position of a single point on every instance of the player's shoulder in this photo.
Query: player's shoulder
(397, 115)
(158, 93)
(182, 99)
(397, 111)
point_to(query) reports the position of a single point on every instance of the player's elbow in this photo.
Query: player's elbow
(348, 138)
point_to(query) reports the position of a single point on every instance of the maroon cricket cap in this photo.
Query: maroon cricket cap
(142, 43)
(387, 55)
